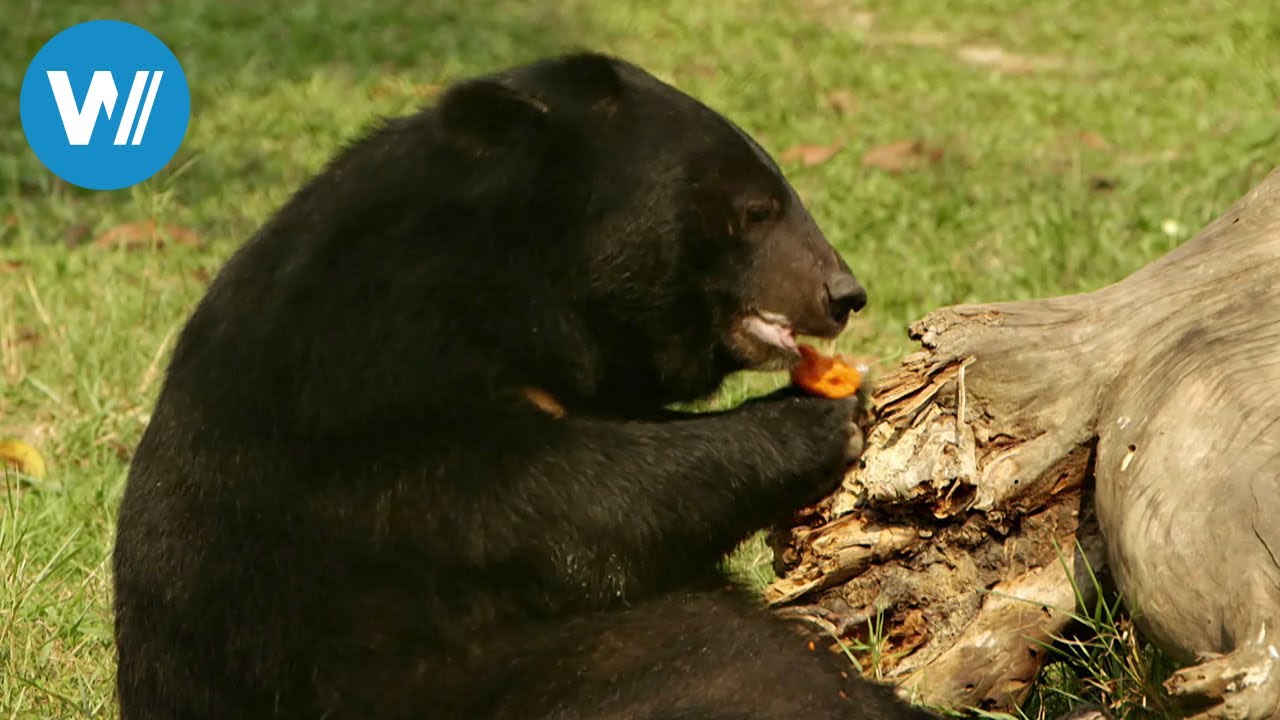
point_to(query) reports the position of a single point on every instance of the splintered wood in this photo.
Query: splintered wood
(1135, 427)
(915, 532)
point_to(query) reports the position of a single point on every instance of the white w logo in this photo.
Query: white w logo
(79, 122)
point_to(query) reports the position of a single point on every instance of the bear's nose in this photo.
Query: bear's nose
(844, 295)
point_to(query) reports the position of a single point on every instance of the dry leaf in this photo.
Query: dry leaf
(1094, 140)
(1071, 140)
(901, 155)
(113, 443)
(1101, 183)
(76, 234)
(146, 233)
(841, 101)
(699, 70)
(810, 155)
(26, 336)
(123, 452)
(8, 266)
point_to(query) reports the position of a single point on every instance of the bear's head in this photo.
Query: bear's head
(574, 224)
(694, 257)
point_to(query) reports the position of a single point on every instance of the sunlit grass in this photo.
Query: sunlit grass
(1078, 142)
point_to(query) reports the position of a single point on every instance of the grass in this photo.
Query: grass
(1099, 662)
(1106, 133)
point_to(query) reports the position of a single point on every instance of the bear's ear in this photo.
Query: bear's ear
(595, 79)
(483, 115)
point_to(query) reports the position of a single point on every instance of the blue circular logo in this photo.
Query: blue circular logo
(105, 105)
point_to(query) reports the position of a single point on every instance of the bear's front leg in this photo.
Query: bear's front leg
(606, 510)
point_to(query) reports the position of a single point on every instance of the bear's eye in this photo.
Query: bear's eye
(758, 212)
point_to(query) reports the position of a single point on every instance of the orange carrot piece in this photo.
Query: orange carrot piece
(826, 376)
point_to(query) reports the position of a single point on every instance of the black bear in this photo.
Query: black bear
(414, 455)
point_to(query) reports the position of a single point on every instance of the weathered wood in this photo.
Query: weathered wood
(1136, 426)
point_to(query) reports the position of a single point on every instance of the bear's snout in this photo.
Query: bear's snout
(844, 295)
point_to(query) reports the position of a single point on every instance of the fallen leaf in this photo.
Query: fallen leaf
(117, 448)
(76, 235)
(841, 101)
(1069, 142)
(901, 155)
(1102, 184)
(146, 233)
(810, 155)
(30, 188)
(22, 457)
(8, 266)
(123, 452)
(26, 336)
(702, 70)
(1094, 140)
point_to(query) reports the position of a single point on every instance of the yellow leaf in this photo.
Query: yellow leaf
(22, 457)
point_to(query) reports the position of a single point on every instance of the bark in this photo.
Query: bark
(1137, 427)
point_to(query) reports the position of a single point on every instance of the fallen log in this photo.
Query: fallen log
(1136, 427)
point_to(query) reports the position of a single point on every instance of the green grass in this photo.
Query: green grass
(1138, 122)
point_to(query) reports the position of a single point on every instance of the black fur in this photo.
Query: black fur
(345, 506)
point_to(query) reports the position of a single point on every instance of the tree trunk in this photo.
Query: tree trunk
(1137, 426)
